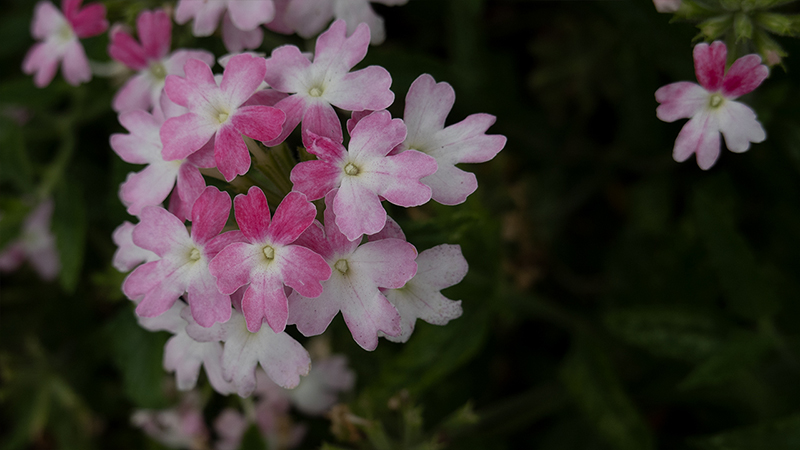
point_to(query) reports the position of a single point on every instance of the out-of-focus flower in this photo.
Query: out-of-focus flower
(151, 59)
(240, 24)
(710, 106)
(667, 6)
(180, 427)
(60, 32)
(36, 244)
(309, 17)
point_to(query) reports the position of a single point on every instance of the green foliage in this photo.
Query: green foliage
(781, 434)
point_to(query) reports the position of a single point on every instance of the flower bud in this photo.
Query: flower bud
(716, 26)
(779, 24)
(742, 27)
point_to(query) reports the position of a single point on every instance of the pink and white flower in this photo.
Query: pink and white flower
(184, 356)
(267, 260)
(183, 266)
(309, 17)
(427, 106)
(128, 254)
(360, 271)
(421, 298)
(710, 106)
(217, 112)
(179, 427)
(36, 243)
(240, 24)
(364, 173)
(282, 358)
(151, 59)
(60, 31)
(315, 86)
(152, 185)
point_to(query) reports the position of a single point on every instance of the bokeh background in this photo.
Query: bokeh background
(616, 300)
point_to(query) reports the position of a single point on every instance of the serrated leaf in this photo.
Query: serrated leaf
(591, 382)
(69, 227)
(782, 434)
(684, 335)
(138, 355)
(740, 353)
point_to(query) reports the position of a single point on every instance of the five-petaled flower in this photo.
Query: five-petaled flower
(711, 106)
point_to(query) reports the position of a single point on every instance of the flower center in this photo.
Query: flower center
(65, 32)
(351, 169)
(158, 71)
(341, 266)
(194, 255)
(269, 253)
(315, 91)
(222, 117)
(715, 100)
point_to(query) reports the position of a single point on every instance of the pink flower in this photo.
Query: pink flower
(710, 105)
(267, 260)
(217, 112)
(60, 33)
(153, 184)
(309, 17)
(240, 27)
(667, 6)
(282, 358)
(151, 59)
(36, 244)
(183, 266)
(179, 427)
(327, 81)
(365, 172)
(128, 255)
(319, 391)
(427, 106)
(360, 271)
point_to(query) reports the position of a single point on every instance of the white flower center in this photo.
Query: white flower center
(158, 71)
(716, 100)
(269, 253)
(341, 266)
(65, 33)
(315, 91)
(222, 117)
(194, 255)
(351, 169)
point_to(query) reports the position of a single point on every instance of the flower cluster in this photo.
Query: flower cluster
(227, 286)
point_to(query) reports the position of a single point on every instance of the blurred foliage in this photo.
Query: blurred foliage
(616, 300)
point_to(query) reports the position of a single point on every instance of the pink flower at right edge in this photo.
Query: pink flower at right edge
(151, 59)
(60, 31)
(364, 173)
(267, 260)
(710, 106)
(360, 271)
(219, 113)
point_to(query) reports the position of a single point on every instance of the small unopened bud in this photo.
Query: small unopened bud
(779, 24)
(742, 26)
(716, 26)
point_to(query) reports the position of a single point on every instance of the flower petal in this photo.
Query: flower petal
(709, 64)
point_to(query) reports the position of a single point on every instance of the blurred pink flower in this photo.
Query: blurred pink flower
(36, 243)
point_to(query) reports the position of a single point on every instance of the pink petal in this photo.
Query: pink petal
(303, 270)
(252, 215)
(265, 298)
(187, 9)
(338, 243)
(178, 59)
(155, 32)
(90, 21)
(208, 305)
(217, 244)
(427, 105)
(204, 157)
(265, 97)
(314, 239)
(366, 312)
(287, 69)
(242, 76)
(160, 232)
(308, 17)
(363, 89)
(699, 135)
(738, 124)
(134, 95)
(391, 230)
(680, 100)
(42, 59)
(294, 106)
(47, 20)
(230, 152)
(261, 123)
(744, 76)
(451, 185)
(465, 141)
(141, 280)
(313, 315)
(335, 51)
(143, 145)
(396, 178)
(186, 134)
(321, 119)
(232, 266)
(325, 149)
(190, 185)
(376, 135)
(248, 15)
(209, 214)
(357, 12)
(75, 67)
(128, 255)
(292, 217)
(150, 187)
(315, 178)
(207, 18)
(389, 263)
(163, 295)
(709, 64)
(237, 40)
(125, 49)
(358, 210)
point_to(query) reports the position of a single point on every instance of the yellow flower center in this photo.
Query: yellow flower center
(194, 255)
(715, 100)
(351, 169)
(341, 266)
(315, 91)
(269, 253)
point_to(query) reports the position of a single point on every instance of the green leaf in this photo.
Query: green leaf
(782, 434)
(591, 382)
(138, 355)
(742, 27)
(741, 353)
(15, 167)
(744, 281)
(715, 26)
(12, 214)
(252, 440)
(671, 333)
(69, 227)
